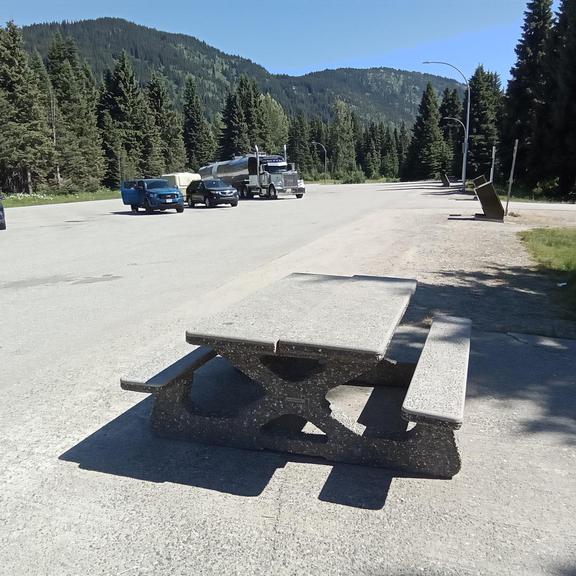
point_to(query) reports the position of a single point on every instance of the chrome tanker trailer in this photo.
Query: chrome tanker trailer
(268, 176)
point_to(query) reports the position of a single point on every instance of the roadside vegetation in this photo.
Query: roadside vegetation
(555, 251)
(17, 200)
(66, 125)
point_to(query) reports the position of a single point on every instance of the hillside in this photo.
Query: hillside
(374, 93)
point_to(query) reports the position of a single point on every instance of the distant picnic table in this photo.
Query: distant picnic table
(293, 342)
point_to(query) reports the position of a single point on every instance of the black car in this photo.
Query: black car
(2, 216)
(211, 193)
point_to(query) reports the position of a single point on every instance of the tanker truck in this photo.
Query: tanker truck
(264, 175)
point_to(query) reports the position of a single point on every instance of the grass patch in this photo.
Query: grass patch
(555, 250)
(18, 200)
(382, 180)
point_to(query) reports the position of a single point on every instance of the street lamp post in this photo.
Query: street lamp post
(325, 160)
(467, 127)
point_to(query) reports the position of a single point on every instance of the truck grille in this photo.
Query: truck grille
(290, 179)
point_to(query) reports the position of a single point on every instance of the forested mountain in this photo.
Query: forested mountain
(374, 94)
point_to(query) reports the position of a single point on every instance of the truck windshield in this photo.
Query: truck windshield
(154, 184)
(275, 169)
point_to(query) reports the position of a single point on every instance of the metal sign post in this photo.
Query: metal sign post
(511, 175)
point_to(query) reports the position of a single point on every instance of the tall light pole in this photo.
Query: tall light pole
(467, 127)
(455, 120)
(325, 160)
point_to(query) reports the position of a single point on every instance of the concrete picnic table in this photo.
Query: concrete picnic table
(293, 342)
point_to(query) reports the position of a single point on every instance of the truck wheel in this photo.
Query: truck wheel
(148, 208)
(243, 191)
(179, 209)
(190, 203)
(272, 194)
(134, 208)
(234, 204)
(208, 202)
(299, 195)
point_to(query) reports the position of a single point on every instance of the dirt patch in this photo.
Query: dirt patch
(482, 270)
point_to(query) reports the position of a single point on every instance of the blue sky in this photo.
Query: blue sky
(299, 36)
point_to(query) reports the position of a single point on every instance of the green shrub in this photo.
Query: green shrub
(352, 177)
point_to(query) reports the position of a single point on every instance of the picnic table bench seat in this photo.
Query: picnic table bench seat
(153, 381)
(438, 387)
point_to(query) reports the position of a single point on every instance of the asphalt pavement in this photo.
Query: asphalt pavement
(90, 290)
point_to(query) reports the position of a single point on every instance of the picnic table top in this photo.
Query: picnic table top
(313, 314)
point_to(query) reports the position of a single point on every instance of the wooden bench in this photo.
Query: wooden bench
(438, 387)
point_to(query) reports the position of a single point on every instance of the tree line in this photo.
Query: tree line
(63, 130)
(538, 109)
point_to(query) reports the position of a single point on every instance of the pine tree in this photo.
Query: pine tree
(198, 139)
(451, 107)
(234, 136)
(249, 96)
(168, 124)
(526, 94)
(484, 109)
(426, 151)
(390, 164)
(140, 149)
(26, 152)
(343, 141)
(370, 154)
(299, 147)
(562, 111)
(276, 120)
(319, 132)
(402, 144)
(74, 121)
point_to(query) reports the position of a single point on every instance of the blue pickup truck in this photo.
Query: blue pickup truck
(151, 194)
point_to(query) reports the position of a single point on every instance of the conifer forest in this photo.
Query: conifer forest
(68, 124)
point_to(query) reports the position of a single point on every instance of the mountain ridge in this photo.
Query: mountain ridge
(382, 93)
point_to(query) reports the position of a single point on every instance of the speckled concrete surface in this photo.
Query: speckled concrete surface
(86, 292)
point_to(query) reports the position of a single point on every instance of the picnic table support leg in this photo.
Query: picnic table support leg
(277, 420)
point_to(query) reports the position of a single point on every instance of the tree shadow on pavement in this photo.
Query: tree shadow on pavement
(514, 316)
(499, 298)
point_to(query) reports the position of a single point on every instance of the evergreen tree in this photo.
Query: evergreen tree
(299, 148)
(526, 94)
(562, 112)
(277, 122)
(426, 151)
(234, 136)
(390, 165)
(198, 139)
(168, 124)
(73, 116)
(343, 141)
(451, 107)
(402, 144)
(140, 149)
(319, 132)
(26, 152)
(152, 160)
(249, 96)
(370, 154)
(64, 108)
(484, 110)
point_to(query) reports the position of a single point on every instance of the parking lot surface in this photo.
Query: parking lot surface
(89, 290)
